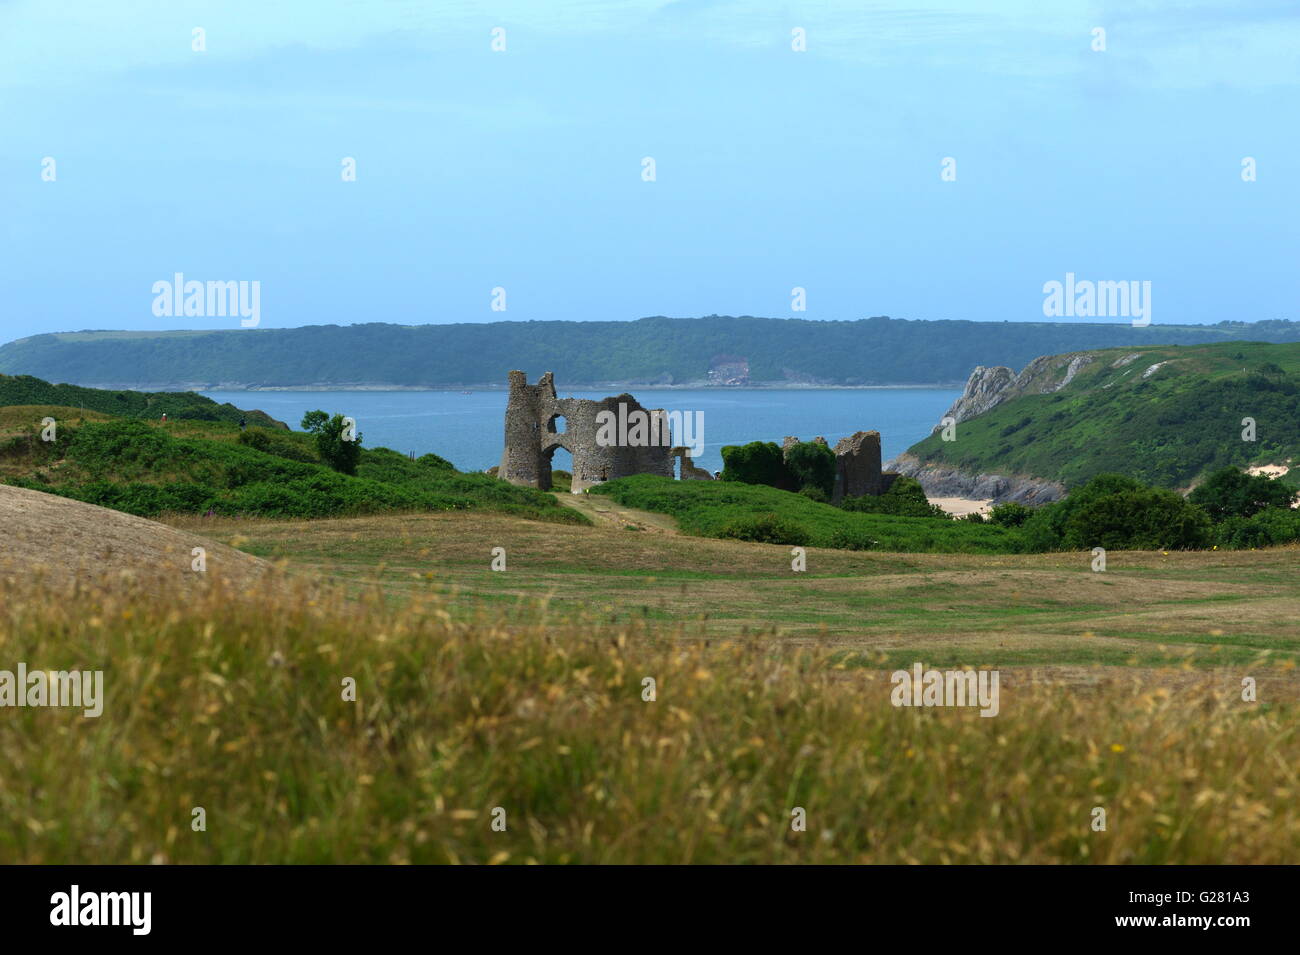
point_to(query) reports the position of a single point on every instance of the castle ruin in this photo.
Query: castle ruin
(538, 422)
(857, 465)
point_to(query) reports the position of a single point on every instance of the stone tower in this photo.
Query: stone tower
(538, 422)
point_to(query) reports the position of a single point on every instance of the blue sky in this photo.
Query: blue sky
(522, 169)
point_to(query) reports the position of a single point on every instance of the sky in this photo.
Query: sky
(523, 169)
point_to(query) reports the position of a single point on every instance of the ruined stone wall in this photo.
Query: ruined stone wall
(538, 422)
(689, 472)
(857, 465)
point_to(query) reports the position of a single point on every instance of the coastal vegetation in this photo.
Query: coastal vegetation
(1165, 416)
(198, 467)
(180, 406)
(1111, 511)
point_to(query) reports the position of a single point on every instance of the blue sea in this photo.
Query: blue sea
(467, 429)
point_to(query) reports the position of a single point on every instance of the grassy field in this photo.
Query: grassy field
(1148, 609)
(707, 508)
(522, 691)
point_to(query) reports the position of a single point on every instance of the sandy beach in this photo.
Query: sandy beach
(961, 506)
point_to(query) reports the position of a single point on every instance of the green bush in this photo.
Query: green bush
(1229, 492)
(433, 461)
(1147, 519)
(810, 464)
(759, 462)
(1009, 514)
(852, 538)
(1267, 528)
(177, 405)
(1118, 513)
(814, 494)
(708, 508)
(277, 443)
(131, 466)
(905, 498)
(766, 529)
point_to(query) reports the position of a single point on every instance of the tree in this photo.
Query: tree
(336, 450)
(1232, 493)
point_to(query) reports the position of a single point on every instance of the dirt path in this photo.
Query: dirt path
(604, 510)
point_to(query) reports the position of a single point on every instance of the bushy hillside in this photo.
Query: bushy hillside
(1166, 416)
(651, 350)
(183, 405)
(147, 468)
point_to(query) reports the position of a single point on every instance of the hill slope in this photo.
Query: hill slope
(147, 468)
(711, 350)
(62, 541)
(1165, 415)
(26, 390)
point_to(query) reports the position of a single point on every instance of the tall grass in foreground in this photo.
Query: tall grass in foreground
(232, 702)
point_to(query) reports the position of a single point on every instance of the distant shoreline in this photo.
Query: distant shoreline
(612, 387)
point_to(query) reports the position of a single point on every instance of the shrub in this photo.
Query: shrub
(811, 465)
(766, 529)
(759, 462)
(1009, 514)
(277, 443)
(852, 538)
(1232, 493)
(1145, 519)
(437, 463)
(814, 493)
(905, 498)
(1267, 528)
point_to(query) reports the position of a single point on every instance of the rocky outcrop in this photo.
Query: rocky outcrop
(941, 480)
(986, 388)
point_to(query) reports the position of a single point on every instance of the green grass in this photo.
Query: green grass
(707, 508)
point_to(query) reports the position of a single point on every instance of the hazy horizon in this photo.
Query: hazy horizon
(522, 169)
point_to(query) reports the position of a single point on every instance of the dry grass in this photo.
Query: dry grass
(231, 701)
(71, 543)
(523, 690)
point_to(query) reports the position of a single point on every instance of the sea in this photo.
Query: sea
(468, 428)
